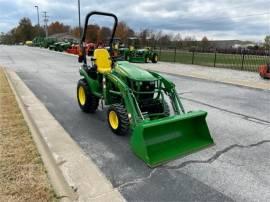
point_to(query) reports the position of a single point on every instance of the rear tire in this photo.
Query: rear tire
(155, 58)
(118, 121)
(86, 100)
(128, 58)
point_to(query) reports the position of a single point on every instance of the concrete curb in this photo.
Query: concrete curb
(63, 191)
(73, 175)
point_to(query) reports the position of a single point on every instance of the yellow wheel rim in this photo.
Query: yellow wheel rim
(113, 120)
(156, 58)
(82, 97)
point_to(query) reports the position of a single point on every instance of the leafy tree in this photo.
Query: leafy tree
(57, 27)
(24, 32)
(75, 32)
(2, 35)
(130, 32)
(104, 33)
(123, 31)
(92, 33)
(39, 31)
(204, 42)
(7, 38)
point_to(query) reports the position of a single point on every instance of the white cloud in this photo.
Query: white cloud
(216, 19)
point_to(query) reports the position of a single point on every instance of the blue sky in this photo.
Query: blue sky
(220, 19)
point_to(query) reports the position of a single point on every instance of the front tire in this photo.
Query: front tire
(118, 121)
(146, 59)
(166, 109)
(86, 100)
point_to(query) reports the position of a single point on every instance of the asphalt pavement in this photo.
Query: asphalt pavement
(236, 168)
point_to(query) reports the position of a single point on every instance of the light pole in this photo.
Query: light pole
(79, 13)
(46, 22)
(37, 14)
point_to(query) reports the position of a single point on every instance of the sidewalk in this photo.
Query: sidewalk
(235, 77)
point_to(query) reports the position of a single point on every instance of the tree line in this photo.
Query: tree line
(26, 31)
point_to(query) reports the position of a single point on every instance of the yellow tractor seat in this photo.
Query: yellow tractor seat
(102, 60)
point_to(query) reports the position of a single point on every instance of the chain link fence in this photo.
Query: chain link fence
(239, 60)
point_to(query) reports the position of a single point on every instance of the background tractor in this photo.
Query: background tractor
(47, 42)
(38, 41)
(137, 103)
(135, 54)
(60, 46)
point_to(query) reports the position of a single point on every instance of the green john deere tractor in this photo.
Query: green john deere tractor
(137, 105)
(38, 41)
(134, 54)
(47, 42)
(60, 46)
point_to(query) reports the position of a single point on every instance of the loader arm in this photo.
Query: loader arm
(169, 88)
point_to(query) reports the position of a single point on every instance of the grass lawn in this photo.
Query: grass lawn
(232, 61)
(22, 173)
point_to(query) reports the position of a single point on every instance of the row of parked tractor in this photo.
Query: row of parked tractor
(53, 43)
(131, 51)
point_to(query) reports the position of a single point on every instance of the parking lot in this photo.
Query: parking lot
(235, 168)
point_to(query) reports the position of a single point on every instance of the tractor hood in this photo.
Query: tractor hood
(133, 72)
(141, 50)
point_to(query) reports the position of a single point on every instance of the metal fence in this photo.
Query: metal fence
(240, 60)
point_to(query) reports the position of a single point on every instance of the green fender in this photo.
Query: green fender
(93, 84)
(128, 97)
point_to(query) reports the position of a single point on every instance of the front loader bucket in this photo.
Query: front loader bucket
(158, 141)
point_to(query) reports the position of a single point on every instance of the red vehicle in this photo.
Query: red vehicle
(74, 49)
(90, 47)
(264, 71)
